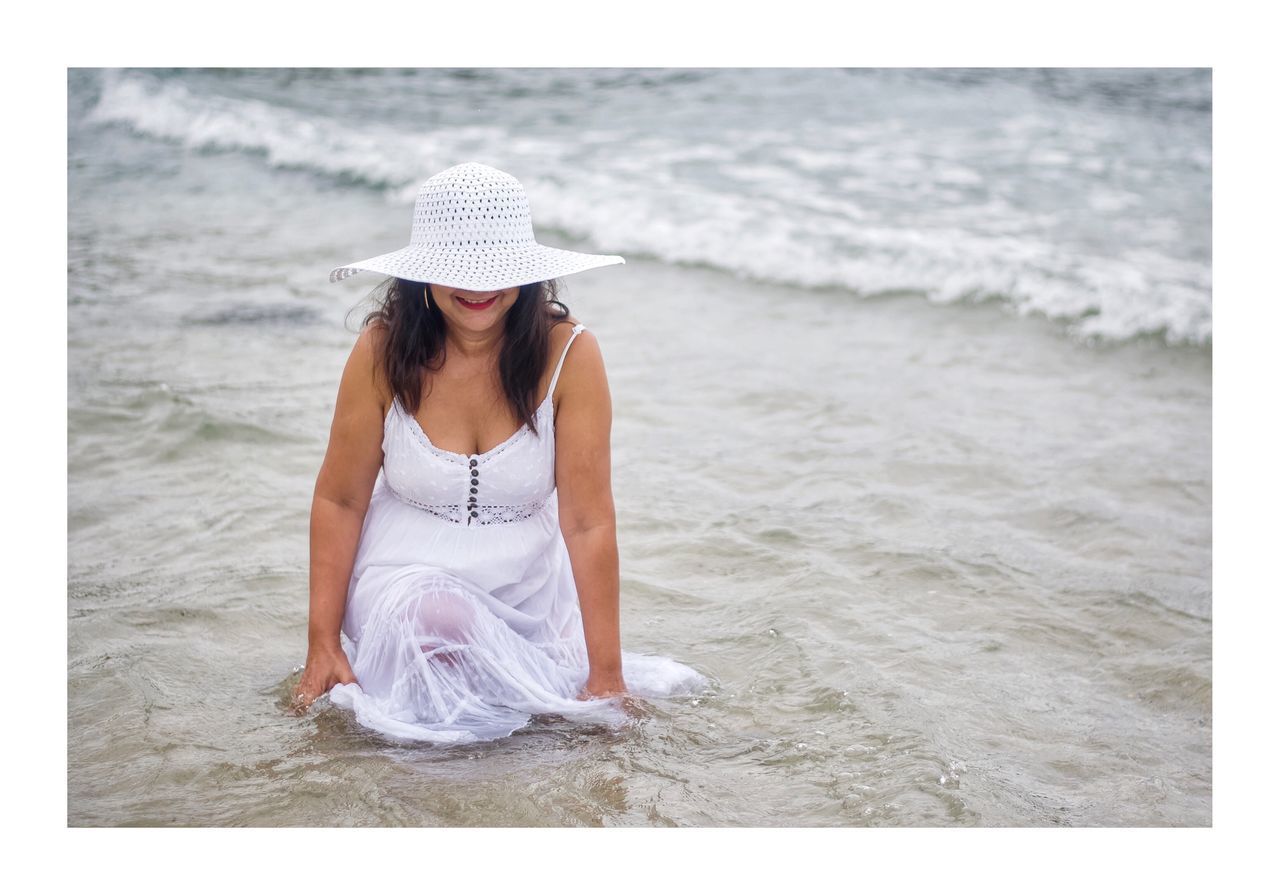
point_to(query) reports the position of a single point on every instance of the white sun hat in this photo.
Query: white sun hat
(472, 230)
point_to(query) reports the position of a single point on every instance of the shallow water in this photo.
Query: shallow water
(945, 564)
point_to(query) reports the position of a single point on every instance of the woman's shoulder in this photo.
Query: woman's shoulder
(371, 348)
(372, 341)
(584, 363)
(562, 332)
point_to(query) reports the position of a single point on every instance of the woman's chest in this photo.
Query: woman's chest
(516, 474)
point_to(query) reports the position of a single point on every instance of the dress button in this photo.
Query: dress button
(475, 482)
(473, 461)
(474, 514)
(473, 490)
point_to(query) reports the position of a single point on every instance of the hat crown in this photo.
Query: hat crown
(472, 205)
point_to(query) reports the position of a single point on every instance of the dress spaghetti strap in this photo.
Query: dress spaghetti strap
(555, 377)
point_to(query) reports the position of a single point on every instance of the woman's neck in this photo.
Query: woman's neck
(473, 348)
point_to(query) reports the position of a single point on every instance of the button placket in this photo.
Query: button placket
(472, 512)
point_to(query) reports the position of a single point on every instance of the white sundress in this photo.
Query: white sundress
(462, 617)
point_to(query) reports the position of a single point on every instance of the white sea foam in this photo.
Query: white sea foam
(1054, 219)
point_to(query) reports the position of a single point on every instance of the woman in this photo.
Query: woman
(462, 528)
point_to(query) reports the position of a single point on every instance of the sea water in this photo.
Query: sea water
(911, 450)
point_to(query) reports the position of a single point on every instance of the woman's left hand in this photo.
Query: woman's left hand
(613, 686)
(602, 686)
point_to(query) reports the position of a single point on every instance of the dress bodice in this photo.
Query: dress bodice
(508, 483)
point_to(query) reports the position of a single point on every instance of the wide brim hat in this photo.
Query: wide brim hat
(472, 230)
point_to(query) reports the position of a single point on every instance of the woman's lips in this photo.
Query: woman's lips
(480, 306)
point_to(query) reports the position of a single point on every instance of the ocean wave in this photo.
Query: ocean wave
(168, 110)
(1064, 229)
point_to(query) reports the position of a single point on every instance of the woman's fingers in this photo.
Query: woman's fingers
(308, 691)
(305, 692)
(301, 700)
(604, 693)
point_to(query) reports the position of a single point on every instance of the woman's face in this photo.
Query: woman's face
(474, 311)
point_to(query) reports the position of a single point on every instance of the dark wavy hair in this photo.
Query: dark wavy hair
(415, 328)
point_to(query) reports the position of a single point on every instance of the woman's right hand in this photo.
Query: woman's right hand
(326, 666)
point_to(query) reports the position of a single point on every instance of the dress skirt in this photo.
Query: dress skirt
(460, 633)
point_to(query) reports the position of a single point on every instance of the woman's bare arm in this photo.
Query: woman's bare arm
(338, 507)
(584, 417)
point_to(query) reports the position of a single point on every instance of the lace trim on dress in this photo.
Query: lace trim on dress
(491, 514)
(495, 514)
